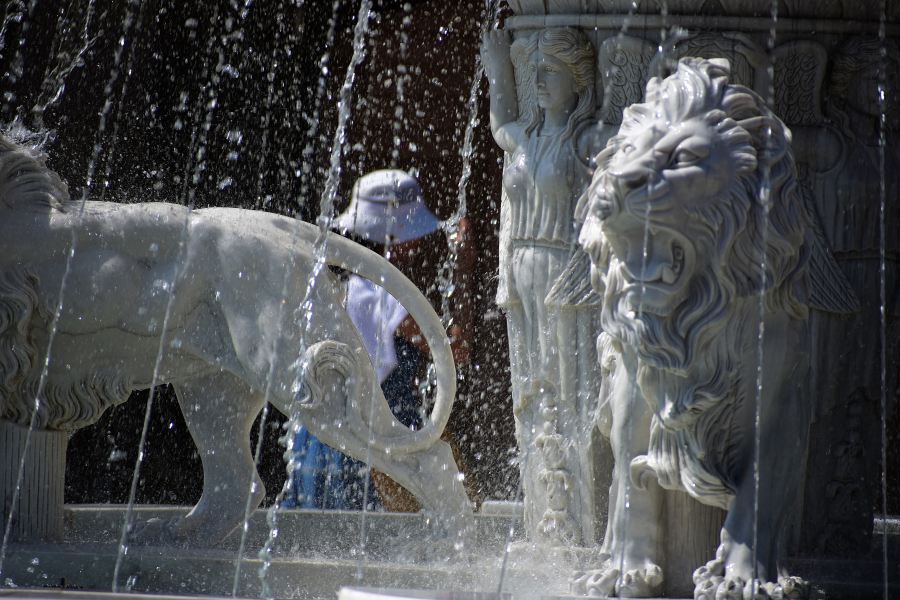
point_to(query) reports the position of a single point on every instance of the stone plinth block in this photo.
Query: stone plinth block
(38, 507)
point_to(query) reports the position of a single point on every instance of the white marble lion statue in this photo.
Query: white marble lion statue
(213, 282)
(696, 234)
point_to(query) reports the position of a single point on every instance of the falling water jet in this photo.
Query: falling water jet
(111, 148)
(15, 12)
(766, 202)
(287, 439)
(319, 248)
(182, 248)
(56, 78)
(264, 147)
(306, 169)
(620, 579)
(387, 241)
(126, 525)
(374, 397)
(764, 197)
(9, 16)
(59, 305)
(623, 527)
(882, 250)
(451, 226)
(270, 377)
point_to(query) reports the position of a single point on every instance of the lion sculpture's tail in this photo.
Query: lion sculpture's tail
(348, 255)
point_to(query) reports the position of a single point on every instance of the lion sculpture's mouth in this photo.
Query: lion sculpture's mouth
(657, 289)
(651, 261)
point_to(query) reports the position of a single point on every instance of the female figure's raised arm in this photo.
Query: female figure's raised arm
(499, 70)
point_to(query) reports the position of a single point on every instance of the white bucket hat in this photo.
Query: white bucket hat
(383, 193)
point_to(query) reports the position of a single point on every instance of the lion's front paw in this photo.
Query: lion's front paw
(594, 582)
(707, 588)
(641, 583)
(794, 588)
(607, 581)
(711, 583)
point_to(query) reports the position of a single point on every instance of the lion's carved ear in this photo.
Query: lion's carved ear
(722, 63)
(653, 85)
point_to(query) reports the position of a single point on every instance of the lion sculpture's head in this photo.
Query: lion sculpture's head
(693, 196)
(27, 184)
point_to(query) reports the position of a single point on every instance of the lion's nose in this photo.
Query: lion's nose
(633, 179)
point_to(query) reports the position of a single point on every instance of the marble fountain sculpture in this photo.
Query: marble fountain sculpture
(745, 189)
(714, 200)
(681, 341)
(219, 330)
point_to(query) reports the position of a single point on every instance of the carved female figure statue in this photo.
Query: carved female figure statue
(552, 350)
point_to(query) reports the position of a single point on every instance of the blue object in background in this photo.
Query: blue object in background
(319, 481)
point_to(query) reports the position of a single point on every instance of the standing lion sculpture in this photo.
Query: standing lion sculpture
(211, 285)
(708, 264)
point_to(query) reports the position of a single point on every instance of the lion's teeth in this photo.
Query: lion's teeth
(668, 275)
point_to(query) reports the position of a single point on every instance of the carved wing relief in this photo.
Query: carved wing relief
(799, 75)
(625, 68)
(573, 286)
(829, 289)
(525, 92)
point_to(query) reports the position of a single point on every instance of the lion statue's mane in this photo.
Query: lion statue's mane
(690, 356)
(26, 184)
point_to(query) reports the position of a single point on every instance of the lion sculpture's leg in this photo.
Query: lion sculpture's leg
(630, 558)
(784, 418)
(219, 410)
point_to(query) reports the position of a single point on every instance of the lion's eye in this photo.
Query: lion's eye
(602, 208)
(685, 157)
(678, 258)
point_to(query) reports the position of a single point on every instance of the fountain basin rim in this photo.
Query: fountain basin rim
(364, 593)
(66, 594)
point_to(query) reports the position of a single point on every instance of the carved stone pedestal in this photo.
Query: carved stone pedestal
(692, 534)
(38, 509)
